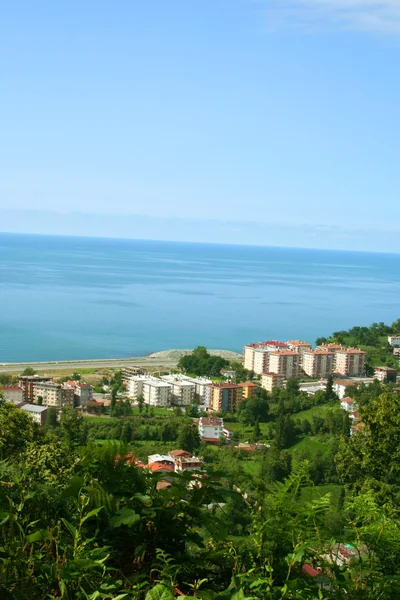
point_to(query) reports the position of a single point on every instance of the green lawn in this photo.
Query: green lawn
(312, 492)
(316, 411)
(311, 445)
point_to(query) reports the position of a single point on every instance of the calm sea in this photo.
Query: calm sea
(75, 298)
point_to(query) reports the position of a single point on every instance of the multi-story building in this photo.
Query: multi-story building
(340, 386)
(384, 374)
(348, 404)
(249, 351)
(298, 346)
(269, 381)
(13, 393)
(331, 347)
(28, 382)
(350, 362)
(186, 464)
(135, 385)
(68, 396)
(394, 340)
(318, 363)
(211, 429)
(261, 360)
(48, 393)
(37, 413)
(129, 372)
(224, 397)
(183, 392)
(157, 392)
(200, 384)
(249, 389)
(286, 363)
(83, 392)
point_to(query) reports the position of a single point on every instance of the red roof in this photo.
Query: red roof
(348, 400)
(211, 421)
(11, 388)
(178, 453)
(158, 466)
(309, 570)
(268, 343)
(210, 440)
(247, 384)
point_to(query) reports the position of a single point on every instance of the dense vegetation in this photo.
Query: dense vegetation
(372, 339)
(200, 362)
(77, 522)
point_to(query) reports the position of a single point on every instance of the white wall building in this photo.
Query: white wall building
(348, 404)
(211, 428)
(183, 392)
(135, 385)
(200, 383)
(394, 340)
(37, 413)
(13, 393)
(157, 392)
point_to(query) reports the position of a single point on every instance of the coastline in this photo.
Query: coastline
(164, 358)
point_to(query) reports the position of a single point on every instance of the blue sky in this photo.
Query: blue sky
(248, 121)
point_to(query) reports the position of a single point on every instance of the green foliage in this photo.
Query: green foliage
(29, 371)
(200, 362)
(188, 437)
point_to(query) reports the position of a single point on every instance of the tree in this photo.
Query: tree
(28, 372)
(258, 405)
(284, 432)
(292, 388)
(51, 417)
(17, 429)
(126, 433)
(76, 376)
(188, 437)
(275, 465)
(256, 431)
(113, 403)
(140, 401)
(329, 391)
(200, 362)
(40, 400)
(73, 428)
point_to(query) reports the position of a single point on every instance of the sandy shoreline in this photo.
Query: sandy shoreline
(165, 358)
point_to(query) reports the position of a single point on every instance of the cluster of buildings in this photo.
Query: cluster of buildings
(278, 361)
(182, 390)
(36, 393)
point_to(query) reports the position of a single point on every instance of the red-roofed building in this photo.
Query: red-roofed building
(13, 393)
(211, 429)
(249, 388)
(178, 453)
(159, 467)
(348, 404)
(249, 351)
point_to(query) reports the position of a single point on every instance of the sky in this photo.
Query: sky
(269, 122)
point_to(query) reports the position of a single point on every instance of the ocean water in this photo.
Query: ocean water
(75, 298)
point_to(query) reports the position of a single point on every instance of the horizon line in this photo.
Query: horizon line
(103, 237)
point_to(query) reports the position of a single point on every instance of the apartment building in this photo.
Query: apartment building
(13, 393)
(285, 363)
(394, 340)
(28, 382)
(261, 360)
(249, 351)
(200, 384)
(249, 388)
(183, 392)
(83, 392)
(129, 372)
(49, 393)
(157, 392)
(384, 374)
(350, 362)
(318, 363)
(224, 397)
(135, 386)
(331, 347)
(299, 347)
(37, 413)
(269, 381)
(186, 464)
(210, 429)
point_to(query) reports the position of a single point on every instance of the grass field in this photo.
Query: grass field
(311, 445)
(313, 492)
(316, 411)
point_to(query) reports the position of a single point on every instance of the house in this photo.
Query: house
(385, 374)
(130, 460)
(394, 340)
(13, 393)
(37, 413)
(322, 580)
(269, 381)
(228, 433)
(174, 454)
(186, 464)
(340, 385)
(211, 429)
(83, 392)
(357, 428)
(228, 373)
(164, 459)
(161, 467)
(348, 404)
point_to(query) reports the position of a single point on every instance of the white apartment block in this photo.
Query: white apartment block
(211, 428)
(285, 363)
(249, 352)
(350, 362)
(37, 413)
(135, 385)
(200, 384)
(318, 363)
(183, 392)
(49, 393)
(261, 360)
(299, 347)
(269, 381)
(157, 392)
(394, 340)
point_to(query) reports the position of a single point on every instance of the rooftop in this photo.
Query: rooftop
(34, 408)
(345, 382)
(11, 388)
(249, 384)
(211, 422)
(284, 353)
(157, 466)
(267, 343)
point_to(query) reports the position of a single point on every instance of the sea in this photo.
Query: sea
(72, 298)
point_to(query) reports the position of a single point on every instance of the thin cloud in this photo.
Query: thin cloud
(380, 16)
